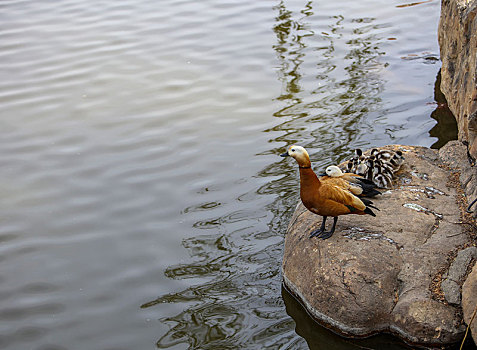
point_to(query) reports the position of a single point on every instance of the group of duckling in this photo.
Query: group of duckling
(335, 193)
(379, 166)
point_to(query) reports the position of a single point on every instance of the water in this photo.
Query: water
(144, 204)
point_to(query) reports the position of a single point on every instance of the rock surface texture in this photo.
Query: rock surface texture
(458, 46)
(384, 274)
(469, 300)
(454, 154)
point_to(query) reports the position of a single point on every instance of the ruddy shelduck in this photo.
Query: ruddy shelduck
(323, 198)
(358, 185)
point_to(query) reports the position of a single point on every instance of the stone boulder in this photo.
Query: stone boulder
(469, 301)
(384, 273)
(458, 46)
(455, 156)
(453, 278)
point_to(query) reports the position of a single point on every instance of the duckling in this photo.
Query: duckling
(325, 199)
(383, 181)
(357, 185)
(397, 160)
(378, 167)
(381, 174)
(349, 166)
(385, 168)
(393, 159)
(357, 163)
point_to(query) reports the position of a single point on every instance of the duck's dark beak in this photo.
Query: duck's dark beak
(284, 154)
(322, 174)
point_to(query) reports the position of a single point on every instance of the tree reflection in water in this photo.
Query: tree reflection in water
(328, 93)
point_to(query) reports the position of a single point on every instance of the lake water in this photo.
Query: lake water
(144, 204)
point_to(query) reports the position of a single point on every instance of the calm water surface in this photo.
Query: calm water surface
(144, 204)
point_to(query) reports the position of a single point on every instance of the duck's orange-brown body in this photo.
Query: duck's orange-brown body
(326, 198)
(356, 184)
(342, 183)
(350, 177)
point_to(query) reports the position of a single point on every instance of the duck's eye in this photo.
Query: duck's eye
(293, 150)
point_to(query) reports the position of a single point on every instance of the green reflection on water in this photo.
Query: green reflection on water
(331, 109)
(235, 306)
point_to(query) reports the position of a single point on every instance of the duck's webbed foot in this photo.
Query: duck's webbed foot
(319, 232)
(326, 235)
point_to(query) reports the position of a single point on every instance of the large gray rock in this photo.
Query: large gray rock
(384, 273)
(454, 155)
(452, 280)
(458, 46)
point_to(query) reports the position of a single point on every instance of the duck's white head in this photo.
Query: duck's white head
(333, 171)
(300, 154)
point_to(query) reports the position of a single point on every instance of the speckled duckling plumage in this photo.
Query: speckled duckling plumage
(379, 167)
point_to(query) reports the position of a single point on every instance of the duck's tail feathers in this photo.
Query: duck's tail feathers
(368, 205)
(369, 190)
(372, 206)
(369, 211)
(363, 180)
(366, 202)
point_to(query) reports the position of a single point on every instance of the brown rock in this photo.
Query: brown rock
(458, 46)
(454, 154)
(469, 301)
(379, 274)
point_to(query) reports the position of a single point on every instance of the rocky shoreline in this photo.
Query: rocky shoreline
(385, 274)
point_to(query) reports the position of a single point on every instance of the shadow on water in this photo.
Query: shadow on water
(318, 337)
(238, 305)
(446, 128)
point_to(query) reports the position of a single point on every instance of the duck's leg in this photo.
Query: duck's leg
(326, 235)
(320, 231)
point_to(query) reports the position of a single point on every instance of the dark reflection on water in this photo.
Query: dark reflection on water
(446, 128)
(236, 307)
(318, 338)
